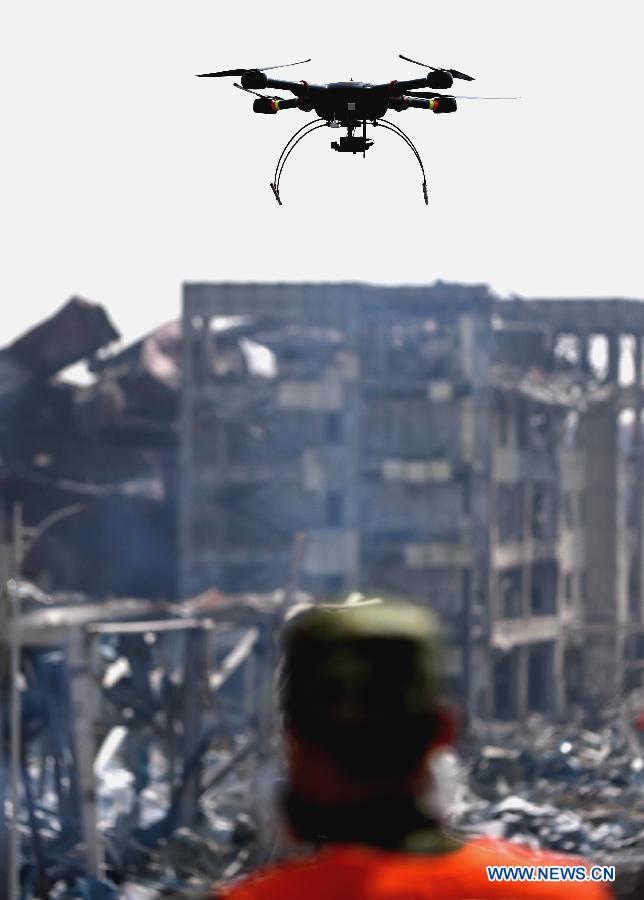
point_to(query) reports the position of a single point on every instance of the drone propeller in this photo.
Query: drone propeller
(434, 94)
(257, 94)
(453, 72)
(250, 69)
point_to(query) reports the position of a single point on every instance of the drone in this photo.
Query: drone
(350, 105)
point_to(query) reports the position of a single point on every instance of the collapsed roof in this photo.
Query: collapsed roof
(75, 332)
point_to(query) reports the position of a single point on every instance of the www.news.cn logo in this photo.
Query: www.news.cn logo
(550, 873)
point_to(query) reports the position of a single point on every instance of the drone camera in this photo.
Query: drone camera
(351, 144)
(440, 80)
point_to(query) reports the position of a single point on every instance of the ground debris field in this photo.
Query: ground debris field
(180, 806)
(566, 788)
(289, 456)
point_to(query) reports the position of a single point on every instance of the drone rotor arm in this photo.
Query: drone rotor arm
(270, 106)
(290, 103)
(442, 104)
(419, 103)
(299, 88)
(396, 88)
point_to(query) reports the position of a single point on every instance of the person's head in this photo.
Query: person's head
(361, 701)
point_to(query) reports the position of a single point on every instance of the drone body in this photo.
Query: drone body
(348, 104)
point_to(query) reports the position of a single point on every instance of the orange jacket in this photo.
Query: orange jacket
(356, 872)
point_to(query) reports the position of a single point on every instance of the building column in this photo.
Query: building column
(522, 707)
(526, 557)
(558, 678)
(603, 663)
(638, 454)
(584, 351)
(613, 357)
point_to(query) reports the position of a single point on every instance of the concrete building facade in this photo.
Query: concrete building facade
(602, 485)
(425, 442)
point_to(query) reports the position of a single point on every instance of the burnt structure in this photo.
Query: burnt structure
(596, 345)
(105, 453)
(435, 443)
(365, 430)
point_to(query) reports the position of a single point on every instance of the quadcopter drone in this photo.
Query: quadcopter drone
(350, 105)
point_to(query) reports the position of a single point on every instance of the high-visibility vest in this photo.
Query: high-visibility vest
(357, 872)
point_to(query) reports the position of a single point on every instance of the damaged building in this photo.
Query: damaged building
(477, 454)
(434, 443)
(92, 467)
(354, 416)
(595, 348)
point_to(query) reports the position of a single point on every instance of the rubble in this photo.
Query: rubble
(107, 449)
(147, 376)
(75, 332)
(145, 727)
(556, 389)
(565, 787)
(561, 787)
(343, 417)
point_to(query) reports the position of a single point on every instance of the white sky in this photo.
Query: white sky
(124, 175)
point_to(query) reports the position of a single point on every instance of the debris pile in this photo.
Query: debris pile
(106, 450)
(173, 796)
(568, 789)
(146, 737)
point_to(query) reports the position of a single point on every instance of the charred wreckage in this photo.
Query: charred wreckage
(137, 720)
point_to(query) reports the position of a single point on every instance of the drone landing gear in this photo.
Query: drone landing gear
(276, 192)
(351, 144)
(299, 135)
(347, 144)
(390, 126)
